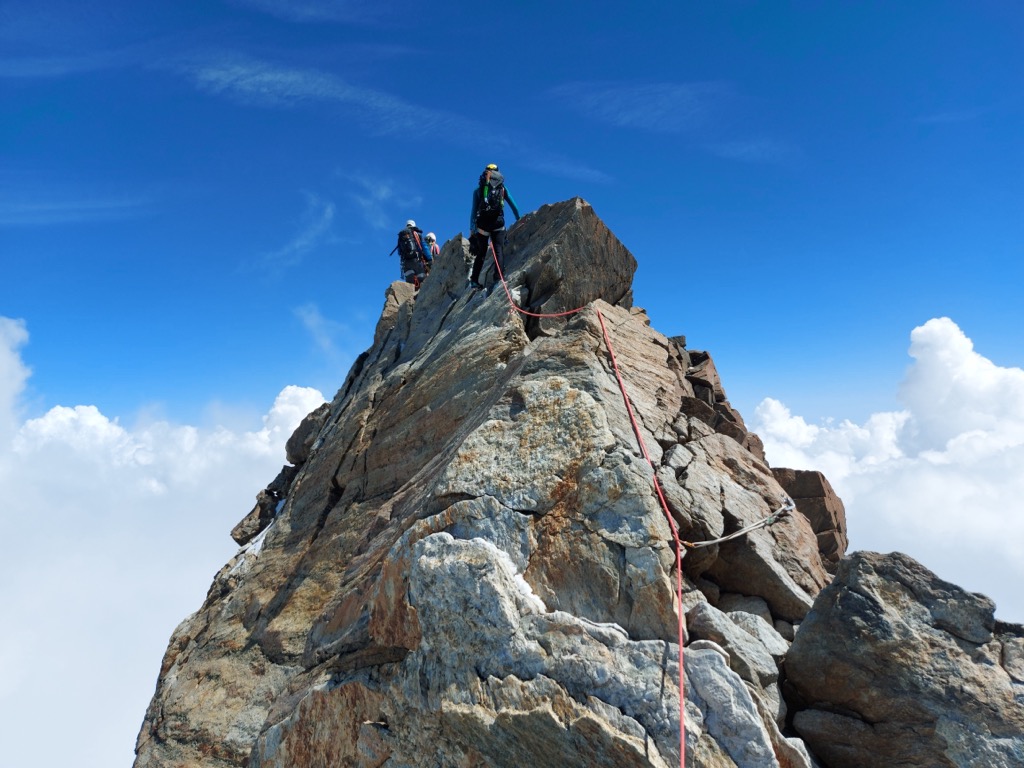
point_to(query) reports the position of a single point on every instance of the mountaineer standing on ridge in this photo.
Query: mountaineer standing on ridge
(412, 254)
(487, 220)
(432, 250)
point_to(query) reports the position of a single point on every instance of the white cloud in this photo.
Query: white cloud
(940, 480)
(114, 534)
(13, 373)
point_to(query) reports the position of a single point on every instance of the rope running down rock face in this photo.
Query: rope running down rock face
(786, 508)
(657, 486)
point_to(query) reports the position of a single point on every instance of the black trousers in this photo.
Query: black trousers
(478, 247)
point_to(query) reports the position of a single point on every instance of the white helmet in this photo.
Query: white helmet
(410, 223)
(430, 237)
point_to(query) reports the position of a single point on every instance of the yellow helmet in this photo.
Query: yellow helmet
(492, 167)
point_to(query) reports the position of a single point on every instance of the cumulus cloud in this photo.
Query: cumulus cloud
(939, 479)
(114, 533)
(13, 373)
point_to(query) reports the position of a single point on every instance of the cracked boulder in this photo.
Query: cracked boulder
(894, 666)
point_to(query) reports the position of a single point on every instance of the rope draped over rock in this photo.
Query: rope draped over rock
(657, 486)
(786, 507)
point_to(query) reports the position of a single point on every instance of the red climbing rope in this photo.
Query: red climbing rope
(518, 308)
(675, 537)
(657, 488)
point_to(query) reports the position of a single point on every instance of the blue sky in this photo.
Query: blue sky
(197, 201)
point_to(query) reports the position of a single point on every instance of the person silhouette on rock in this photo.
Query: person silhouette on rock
(487, 220)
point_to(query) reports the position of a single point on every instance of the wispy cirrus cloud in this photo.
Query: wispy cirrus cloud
(947, 117)
(314, 229)
(374, 196)
(351, 11)
(565, 168)
(257, 83)
(761, 150)
(41, 67)
(656, 107)
(31, 198)
(324, 331)
(953, 116)
(673, 108)
(263, 84)
(38, 212)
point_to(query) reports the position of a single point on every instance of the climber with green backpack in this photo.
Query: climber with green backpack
(487, 220)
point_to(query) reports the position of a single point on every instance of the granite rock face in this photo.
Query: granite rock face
(894, 666)
(465, 563)
(818, 502)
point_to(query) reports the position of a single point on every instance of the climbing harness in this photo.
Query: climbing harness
(785, 509)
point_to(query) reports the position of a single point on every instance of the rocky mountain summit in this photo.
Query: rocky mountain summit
(465, 564)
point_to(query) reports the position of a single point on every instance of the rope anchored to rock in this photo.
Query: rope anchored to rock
(519, 309)
(785, 509)
(775, 516)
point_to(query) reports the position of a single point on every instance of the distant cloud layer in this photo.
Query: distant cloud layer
(114, 533)
(940, 480)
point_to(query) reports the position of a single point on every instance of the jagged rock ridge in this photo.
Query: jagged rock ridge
(465, 565)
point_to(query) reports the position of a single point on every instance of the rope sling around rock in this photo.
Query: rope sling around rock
(786, 508)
